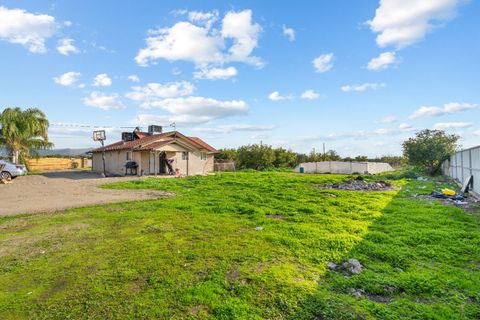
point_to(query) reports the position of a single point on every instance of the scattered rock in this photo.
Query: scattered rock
(332, 266)
(359, 185)
(350, 267)
(357, 293)
(389, 288)
(258, 228)
(353, 266)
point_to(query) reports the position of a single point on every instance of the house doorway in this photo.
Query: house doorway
(163, 163)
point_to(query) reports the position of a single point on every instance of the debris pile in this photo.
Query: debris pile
(358, 184)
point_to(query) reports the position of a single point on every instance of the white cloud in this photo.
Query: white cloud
(383, 61)
(215, 73)
(276, 96)
(310, 95)
(323, 63)
(449, 108)
(289, 33)
(154, 92)
(102, 80)
(66, 46)
(363, 87)
(103, 101)
(201, 106)
(203, 18)
(203, 45)
(404, 22)
(476, 133)
(452, 125)
(405, 127)
(67, 79)
(133, 78)
(147, 119)
(236, 127)
(389, 119)
(28, 29)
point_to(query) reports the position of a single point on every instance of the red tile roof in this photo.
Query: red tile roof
(204, 144)
(148, 142)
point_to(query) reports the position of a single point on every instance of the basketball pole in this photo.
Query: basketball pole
(103, 159)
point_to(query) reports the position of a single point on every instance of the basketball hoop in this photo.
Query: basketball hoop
(99, 135)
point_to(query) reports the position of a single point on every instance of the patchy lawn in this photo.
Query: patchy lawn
(245, 246)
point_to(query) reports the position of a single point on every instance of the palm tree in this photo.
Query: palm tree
(23, 132)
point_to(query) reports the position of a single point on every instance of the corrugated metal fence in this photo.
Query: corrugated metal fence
(464, 164)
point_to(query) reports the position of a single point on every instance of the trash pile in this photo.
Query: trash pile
(449, 197)
(359, 184)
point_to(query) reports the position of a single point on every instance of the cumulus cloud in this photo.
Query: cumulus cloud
(215, 73)
(165, 120)
(67, 79)
(197, 42)
(404, 22)
(405, 126)
(289, 33)
(154, 92)
(66, 46)
(133, 78)
(383, 61)
(477, 133)
(102, 80)
(310, 95)
(449, 108)
(28, 29)
(323, 63)
(203, 18)
(276, 96)
(389, 119)
(103, 101)
(236, 127)
(452, 125)
(363, 87)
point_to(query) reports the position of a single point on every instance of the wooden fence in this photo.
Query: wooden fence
(46, 164)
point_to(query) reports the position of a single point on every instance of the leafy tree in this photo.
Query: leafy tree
(22, 132)
(255, 156)
(361, 158)
(429, 149)
(284, 158)
(226, 154)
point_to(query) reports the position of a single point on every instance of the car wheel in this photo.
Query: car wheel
(5, 175)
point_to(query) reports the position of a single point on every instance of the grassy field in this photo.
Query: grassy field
(244, 246)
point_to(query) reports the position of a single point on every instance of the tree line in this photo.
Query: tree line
(265, 157)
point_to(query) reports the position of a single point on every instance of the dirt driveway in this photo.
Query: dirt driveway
(64, 189)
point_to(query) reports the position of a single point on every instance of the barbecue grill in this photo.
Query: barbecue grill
(131, 166)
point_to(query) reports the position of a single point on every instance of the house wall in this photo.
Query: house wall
(196, 166)
(114, 162)
(464, 164)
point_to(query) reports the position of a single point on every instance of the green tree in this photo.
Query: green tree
(429, 149)
(361, 158)
(255, 156)
(22, 132)
(284, 158)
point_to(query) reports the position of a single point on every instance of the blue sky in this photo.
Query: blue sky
(361, 76)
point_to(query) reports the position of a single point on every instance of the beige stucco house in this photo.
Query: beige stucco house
(156, 154)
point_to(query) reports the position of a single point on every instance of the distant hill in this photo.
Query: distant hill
(62, 152)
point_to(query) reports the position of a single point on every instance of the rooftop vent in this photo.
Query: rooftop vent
(152, 129)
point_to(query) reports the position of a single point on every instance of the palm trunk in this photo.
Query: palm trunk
(15, 155)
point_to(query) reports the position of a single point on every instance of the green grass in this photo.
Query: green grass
(197, 255)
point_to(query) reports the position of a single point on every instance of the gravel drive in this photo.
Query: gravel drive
(62, 190)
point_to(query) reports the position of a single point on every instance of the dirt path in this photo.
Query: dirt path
(64, 189)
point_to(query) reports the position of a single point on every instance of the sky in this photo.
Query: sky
(359, 76)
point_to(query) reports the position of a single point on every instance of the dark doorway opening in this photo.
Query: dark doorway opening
(163, 163)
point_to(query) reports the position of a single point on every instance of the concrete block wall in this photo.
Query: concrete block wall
(343, 167)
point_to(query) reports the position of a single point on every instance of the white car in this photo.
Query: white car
(12, 170)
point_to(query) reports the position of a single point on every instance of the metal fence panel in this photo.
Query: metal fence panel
(463, 164)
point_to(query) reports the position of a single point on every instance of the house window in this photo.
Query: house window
(184, 155)
(203, 156)
(129, 155)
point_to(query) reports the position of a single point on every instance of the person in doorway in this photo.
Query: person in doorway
(169, 166)
(177, 173)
